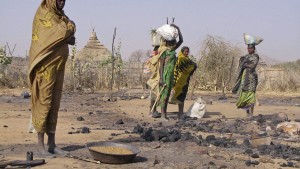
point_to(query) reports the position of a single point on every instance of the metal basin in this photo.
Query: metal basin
(112, 158)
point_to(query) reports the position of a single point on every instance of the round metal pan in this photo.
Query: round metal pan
(112, 158)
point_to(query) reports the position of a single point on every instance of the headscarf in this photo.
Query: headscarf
(51, 5)
(183, 62)
(184, 48)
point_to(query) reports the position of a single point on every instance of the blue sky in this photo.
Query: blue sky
(277, 21)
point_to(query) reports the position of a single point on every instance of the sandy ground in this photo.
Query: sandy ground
(100, 116)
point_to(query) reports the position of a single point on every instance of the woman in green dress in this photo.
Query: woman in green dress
(167, 63)
(247, 81)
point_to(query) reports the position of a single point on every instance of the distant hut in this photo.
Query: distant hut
(93, 51)
(92, 71)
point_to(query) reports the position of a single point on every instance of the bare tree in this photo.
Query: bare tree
(11, 52)
(135, 67)
(217, 63)
(112, 64)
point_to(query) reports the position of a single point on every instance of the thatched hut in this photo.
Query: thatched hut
(94, 50)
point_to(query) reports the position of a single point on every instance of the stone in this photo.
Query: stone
(255, 155)
(249, 151)
(210, 138)
(113, 134)
(80, 118)
(290, 164)
(248, 162)
(138, 129)
(25, 95)
(211, 163)
(120, 121)
(85, 130)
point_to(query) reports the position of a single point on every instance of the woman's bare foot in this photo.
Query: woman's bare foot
(58, 151)
(42, 153)
(164, 117)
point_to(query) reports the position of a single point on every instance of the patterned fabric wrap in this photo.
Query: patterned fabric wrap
(251, 79)
(246, 98)
(184, 69)
(168, 76)
(47, 57)
(247, 81)
(154, 66)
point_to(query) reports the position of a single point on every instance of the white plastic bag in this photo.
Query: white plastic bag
(252, 40)
(197, 109)
(168, 32)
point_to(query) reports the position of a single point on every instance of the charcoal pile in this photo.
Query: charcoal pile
(185, 129)
(175, 134)
(163, 134)
(280, 151)
(217, 141)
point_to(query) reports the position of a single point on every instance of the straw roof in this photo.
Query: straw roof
(94, 50)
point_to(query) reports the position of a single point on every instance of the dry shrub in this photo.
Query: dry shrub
(291, 80)
(217, 65)
(14, 75)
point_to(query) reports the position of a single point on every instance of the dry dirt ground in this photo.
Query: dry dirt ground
(100, 117)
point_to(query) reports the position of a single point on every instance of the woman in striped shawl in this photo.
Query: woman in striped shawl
(183, 71)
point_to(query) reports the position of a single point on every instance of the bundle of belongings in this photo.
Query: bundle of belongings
(166, 31)
(169, 33)
(252, 40)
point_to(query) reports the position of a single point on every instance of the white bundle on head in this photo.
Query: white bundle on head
(252, 40)
(168, 32)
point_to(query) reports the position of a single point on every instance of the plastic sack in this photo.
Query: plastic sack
(252, 40)
(168, 32)
(197, 109)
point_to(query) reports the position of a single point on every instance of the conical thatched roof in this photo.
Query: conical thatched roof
(93, 50)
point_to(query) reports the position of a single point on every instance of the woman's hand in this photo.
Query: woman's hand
(71, 26)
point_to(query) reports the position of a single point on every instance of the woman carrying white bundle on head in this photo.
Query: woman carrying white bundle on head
(161, 81)
(247, 77)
